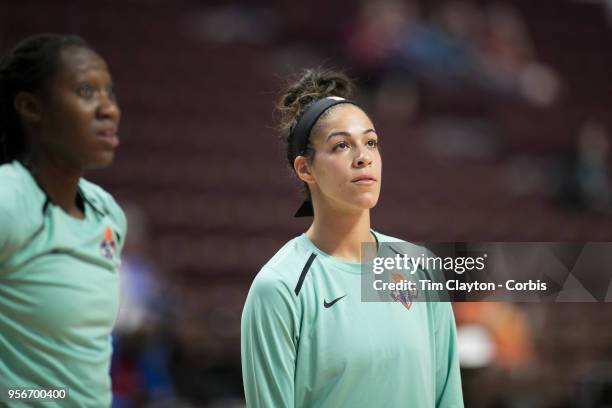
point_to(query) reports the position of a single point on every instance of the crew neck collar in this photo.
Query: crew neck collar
(351, 267)
(80, 191)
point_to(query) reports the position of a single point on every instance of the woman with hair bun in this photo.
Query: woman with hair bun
(60, 235)
(308, 340)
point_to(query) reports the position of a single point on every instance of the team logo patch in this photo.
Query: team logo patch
(405, 297)
(107, 247)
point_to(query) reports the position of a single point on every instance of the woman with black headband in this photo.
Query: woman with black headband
(60, 235)
(308, 339)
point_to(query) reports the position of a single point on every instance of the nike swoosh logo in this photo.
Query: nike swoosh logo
(330, 304)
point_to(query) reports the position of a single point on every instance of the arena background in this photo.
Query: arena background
(495, 125)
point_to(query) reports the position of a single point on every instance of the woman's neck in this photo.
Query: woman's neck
(341, 234)
(59, 181)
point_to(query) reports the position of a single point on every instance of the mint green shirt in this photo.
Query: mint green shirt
(308, 340)
(59, 294)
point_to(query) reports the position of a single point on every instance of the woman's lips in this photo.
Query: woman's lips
(364, 181)
(109, 137)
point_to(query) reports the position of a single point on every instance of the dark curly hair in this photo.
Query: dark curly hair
(312, 85)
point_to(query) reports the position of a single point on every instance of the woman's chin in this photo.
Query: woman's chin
(366, 203)
(369, 200)
(100, 161)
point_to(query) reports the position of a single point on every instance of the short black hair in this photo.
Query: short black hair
(27, 67)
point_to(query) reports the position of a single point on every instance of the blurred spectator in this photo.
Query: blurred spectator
(376, 34)
(507, 329)
(141, 347)
(446, 45)
(495, 344)
(509, 60)
(586, 182)
(460, 45)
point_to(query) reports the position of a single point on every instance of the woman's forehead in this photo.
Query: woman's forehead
(77, 61)
(344, 117)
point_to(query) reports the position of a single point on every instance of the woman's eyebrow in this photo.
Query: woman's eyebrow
(347, 134)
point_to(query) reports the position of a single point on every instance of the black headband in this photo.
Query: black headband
(300, 134)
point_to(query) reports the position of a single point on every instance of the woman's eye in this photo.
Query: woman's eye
(85, 91)
(373, 143)
(341, 145)
(110, 91)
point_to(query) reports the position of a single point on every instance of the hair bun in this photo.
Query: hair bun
(312, 85)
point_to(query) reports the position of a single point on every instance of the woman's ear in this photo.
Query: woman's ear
(27, 106)
(303, 170)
